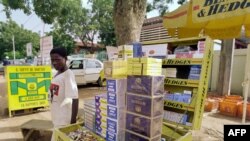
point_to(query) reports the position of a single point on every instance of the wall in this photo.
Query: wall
(238, 72)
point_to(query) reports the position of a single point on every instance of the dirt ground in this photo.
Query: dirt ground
(10, 128)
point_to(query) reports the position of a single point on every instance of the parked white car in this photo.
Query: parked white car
(87, 70)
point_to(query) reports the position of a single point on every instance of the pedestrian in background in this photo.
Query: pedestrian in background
(63, 94)
(6, 61)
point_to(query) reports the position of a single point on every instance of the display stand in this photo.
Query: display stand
(189, 113)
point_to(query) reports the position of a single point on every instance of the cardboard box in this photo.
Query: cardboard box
(114, 69)
(90, 126)
(125, 51)
(115, 112)
(148, 127)
(147, 106)
(115, 126)
(120, 136)
(101, 131)
(145, 85)
(102, 98)
(117, 86)
(101, 123)
(150, 61)
(116, 99)
(152, 72)
(133, 60)
(89, 109)
(101, 115)
(132, 136)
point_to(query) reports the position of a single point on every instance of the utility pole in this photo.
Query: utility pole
(14, 52)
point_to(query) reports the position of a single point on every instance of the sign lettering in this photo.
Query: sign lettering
(175, 82)
(178, 62)
(212, 7)
(172, 104)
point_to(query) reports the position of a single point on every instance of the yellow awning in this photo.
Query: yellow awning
(217, 19)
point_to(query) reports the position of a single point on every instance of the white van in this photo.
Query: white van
(86, 70)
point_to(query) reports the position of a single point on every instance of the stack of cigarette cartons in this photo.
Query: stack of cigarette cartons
(101, 114)
(115, 69)
(89, 114)
(116, 105)
(144, 66)
(144, 104)
(125, 52)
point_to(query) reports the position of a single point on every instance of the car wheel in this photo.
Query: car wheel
(100, 82)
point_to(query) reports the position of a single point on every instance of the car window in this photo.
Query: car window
(93, 64)
(98, 65)
(76, 64)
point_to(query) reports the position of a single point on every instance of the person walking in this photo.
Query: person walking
(63, 93)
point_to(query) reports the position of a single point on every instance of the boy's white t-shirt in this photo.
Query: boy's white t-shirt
(63, 89)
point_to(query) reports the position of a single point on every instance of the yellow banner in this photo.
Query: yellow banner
(205, 10)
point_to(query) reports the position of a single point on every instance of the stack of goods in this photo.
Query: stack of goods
(137, 50)
(115, 69)
(184, 97)
(101, 114)
(175, 117)
(125, 52)
(194, 73)
(89, 114)
(116, 105)
(144, 113)
(201, 47)
(144, 66)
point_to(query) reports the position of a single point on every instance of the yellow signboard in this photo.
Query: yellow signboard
(27, 86)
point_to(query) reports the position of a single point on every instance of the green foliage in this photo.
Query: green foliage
(47, 10)
(181, 2)
(79, 22)
(103, 13)
(61, 39)
(160, 5)
(21, 37)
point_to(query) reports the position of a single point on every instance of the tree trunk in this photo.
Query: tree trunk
(128, 19)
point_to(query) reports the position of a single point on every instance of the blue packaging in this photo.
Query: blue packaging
(145, 85)
(117, 86)
(111, 136)
(101, 98)
(115, 98)
(115, 112)
(120, 136)
(112, 125)
(146, 106)
(186, 98)
(169, 96)
(111, 85)
(149, 127)
(137, 50)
